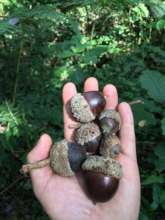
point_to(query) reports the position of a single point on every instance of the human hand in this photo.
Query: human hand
(62, 197)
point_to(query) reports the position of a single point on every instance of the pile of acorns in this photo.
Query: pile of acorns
(93, 150)
(95, 146)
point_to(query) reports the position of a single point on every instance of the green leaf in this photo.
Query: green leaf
(151, 105)
(155, 196)
(160, 24)
(154, 83)
(158, 9)
(5, 27)
(78, 76)
(160, 164)
(143, 216)
(141, 115)
(91, 56)
(141, 10)
(163, 126)
(160, 153)
(160, 150)
(153, 179)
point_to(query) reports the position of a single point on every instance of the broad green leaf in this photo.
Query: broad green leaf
(151, 105)
(142, 115)
(163, 126)
(157, 9)
(154, 83)
(153, 179)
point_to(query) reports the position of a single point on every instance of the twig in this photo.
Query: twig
(136, 102)
(31, 166)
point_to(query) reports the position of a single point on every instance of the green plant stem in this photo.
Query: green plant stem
(17, 72)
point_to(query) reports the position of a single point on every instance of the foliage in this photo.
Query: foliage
(154, 83)
(44, 44)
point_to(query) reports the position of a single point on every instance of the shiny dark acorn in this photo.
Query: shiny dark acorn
(110, 121)
(100, 187)
(110, 146)
(66, 157)
(86, 106)
(109, 125)
(101, 176)
(76, 155)
(95, 100)
(93, 145)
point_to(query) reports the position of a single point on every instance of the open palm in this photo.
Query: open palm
(62, 197)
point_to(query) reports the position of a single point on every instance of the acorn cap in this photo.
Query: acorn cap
(110, 146)
(106, 166)
(81, 109)
(66, 157)
(88, 134)
(110, 121)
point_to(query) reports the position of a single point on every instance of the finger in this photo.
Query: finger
(40, 152)
(110, 92)
(91, 84)
(127, 133)
(69, 90)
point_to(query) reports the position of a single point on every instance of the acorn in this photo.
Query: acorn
(110, 121)
(101, 176)
(88, 135)
(66, 157)
(110, 146)
(86, 106)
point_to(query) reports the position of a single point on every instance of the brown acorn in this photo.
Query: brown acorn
(66, 157)
(86, 106)
(110, 146)
(101, 176)
(100, 187)
(88, 135)
(110, 121)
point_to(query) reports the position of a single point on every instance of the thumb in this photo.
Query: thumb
(41, 150)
